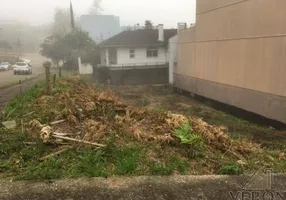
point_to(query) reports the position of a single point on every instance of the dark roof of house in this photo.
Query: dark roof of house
(141, 37)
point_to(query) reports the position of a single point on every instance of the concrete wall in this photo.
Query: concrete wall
(172, 54)
(123, 56)
(133, 76)
(84, 68)
(238, 45)
(140, 76)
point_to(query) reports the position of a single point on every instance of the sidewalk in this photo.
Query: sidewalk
(139, 188)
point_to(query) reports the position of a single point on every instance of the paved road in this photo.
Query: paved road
(7, 78)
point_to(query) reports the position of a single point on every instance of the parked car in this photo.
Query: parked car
(23, 68)
(4, 66)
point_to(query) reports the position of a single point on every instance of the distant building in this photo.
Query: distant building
(140, 48)
(100, 27)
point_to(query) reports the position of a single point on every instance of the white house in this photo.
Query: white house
(142, 48)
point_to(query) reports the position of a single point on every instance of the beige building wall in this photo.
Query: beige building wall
(241, 44)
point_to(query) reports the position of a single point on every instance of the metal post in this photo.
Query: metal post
(19, 47)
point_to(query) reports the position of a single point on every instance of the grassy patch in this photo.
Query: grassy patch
(22, 161)
(168, 167)
(231, 169)
(160, 169)
(18, 106)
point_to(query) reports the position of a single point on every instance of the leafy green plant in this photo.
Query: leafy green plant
(191, 140)
(231, 169)
(186, 135)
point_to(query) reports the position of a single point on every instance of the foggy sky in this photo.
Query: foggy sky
(37, 12)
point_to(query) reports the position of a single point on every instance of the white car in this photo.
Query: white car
(4, 66)
(23, 68)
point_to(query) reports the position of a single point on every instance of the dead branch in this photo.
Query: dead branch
(30, 113)
(56, 153)
(30, 143)
(79, 141)
(58, 122)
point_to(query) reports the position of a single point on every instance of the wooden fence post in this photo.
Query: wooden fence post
(60, 72)
(48, 65)
(22, 106)
(48, 81)
(54, 80)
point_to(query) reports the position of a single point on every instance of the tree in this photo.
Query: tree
(54, 48)
(148, 24)
(69, 47)
(62, 22)
(96, 8)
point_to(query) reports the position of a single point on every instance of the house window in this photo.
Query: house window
(152, 52)
(132, 53)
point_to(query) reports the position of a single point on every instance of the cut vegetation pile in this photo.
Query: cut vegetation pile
(86, 115)
(79, 115)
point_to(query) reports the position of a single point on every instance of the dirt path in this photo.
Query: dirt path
(6, 94)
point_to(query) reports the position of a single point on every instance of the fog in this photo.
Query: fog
(38, 12)
(28, 22)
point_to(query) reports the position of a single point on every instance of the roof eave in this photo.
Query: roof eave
(137, 45)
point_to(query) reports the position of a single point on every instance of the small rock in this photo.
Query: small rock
(281, 156)
(9, 124)
(241, 162)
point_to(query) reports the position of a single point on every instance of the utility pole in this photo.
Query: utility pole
(19, 47)
(72, 16)
(0, 37)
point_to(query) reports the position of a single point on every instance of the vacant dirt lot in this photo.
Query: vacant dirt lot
(120, 158)
(163, 97)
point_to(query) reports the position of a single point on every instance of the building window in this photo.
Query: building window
(132, 53)
(152, 52)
